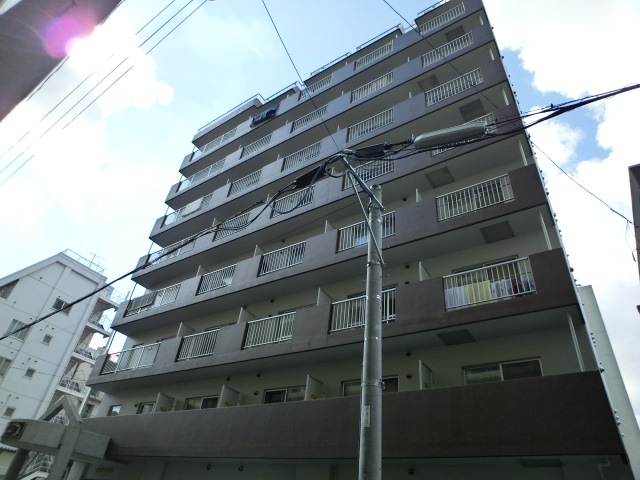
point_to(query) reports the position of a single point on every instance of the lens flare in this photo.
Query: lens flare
(60, 35)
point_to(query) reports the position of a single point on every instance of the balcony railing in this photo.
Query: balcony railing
(347, 314)
(198, 344)
(270, 330)
(152, 300)
(308, 118)
(101, 320)
(73, 385)
(441, 19)
(356, 234)
(188, 209)
(475, 197)
(453, 87)
(245, 182)
(231, 226)
(132, 359)
(218, 141)
(370, 124)
(86, 352)
(447, 49)
(490, 125)
(94, 266)
(202, 174)
(316, 86)
(283, 258)
(300, 156)
(290, 202)
(39, 463)
(218, 279)
(373, 56)
(176, 249)
(491, 283)
(369, 171)
(373, 86)
(256, 146)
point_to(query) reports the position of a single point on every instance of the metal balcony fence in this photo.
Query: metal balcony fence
(269, 330)
(350, 313)
(152, 300)
(102, 320)
(440, 20)
(316, 86)
(453, 87)
(218, 141)
(490, 124)
(74, 385)
(292, 201)
(231, 226)
(218, 279)
(244, 182)
(357, 234)
(131, 359)
(373, 56)
(40, 463)
(372, 86)
(474, 197)
(86, 352)
(256, 146)
(198, 344)
(202, 174)
(369, 171)
(176, 249)
(370, 124)
(188, 209)
(300, 156)
(283, 258)
(447, 49)
(308, 118)
(490, 283)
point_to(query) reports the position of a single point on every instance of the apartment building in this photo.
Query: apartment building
(243, 356)
(53, 358)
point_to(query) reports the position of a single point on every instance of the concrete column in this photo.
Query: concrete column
(19, 459)
(77, 471)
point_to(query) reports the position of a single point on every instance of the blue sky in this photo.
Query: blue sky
(98, 185)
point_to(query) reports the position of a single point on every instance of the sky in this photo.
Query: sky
(97, 180)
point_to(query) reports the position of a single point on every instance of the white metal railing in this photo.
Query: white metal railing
(447, 49)
(490, 126)
(60, 419)
(132, 359)
(369, 171)
(373, 56)
(453, 87)
(269, 330)
(300, 156)
(488, 284)
(218, 141)
(357, 234)
(350, 313)
(231, 226)
(373, 86)
(85, 261)
(176, 249)
(308, 118)
(198, 344)
(330, 64)
(217, 279)
(86, 352)
(440, 20)
(314, 87)
(245, 182)
(290, 202)
(472, 198)
(204, 173)
(188, 209)
(283, 258)
(152, 300)
(73, 385)
(102, 320)
(370, 124)
(256, 146)
(40, 463)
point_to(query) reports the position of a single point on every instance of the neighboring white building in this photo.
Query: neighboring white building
(52, 358)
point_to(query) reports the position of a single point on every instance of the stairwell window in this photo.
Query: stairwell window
(5, 363)
(47, 339)
(29, 373)
(8, 412)
(500, 371)
(62, 306)
(14, 327)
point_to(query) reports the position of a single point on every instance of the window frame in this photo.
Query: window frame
(29, 373)
(22, 334)
(5, 364)
(114, 410)
(499, 364)
(64, 309)
(46, 341)
(358, 382)
(9, 412)
(142, 406)
(287, 392)
(201, 403)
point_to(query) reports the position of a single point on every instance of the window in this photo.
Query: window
(114, 410)
(5, 363)
(352, 388)
(8, 412)
(146, 407)
(496, 372)
(14, 326)
(29, 373)
(291, 394)
(197, 403)
(6, 289)
(62, 306)
(47, 339)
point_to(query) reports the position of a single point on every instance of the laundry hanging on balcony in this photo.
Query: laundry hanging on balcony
(264, 116)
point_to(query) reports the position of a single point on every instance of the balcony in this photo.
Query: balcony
(349, 314)
(100, 320)
(447, 49)
(198, 345)
(283, 258)
(132, 359)
(364, 127)
(189, 209)
(369, 171)
(244, 183)
(88, 353)
(215, 143)
(301, 156)
(214, 280)
(453, 87)
(231, 226)
(209, 171)
(152, 300)
(176, 250)
(441, 19)
(371, 87)
(74, 385)
(290, 202)
(309, 118)
(316, 86)
(373, 56)
(256, 146)
(356, 235)
(475, 197)
(269, 330)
